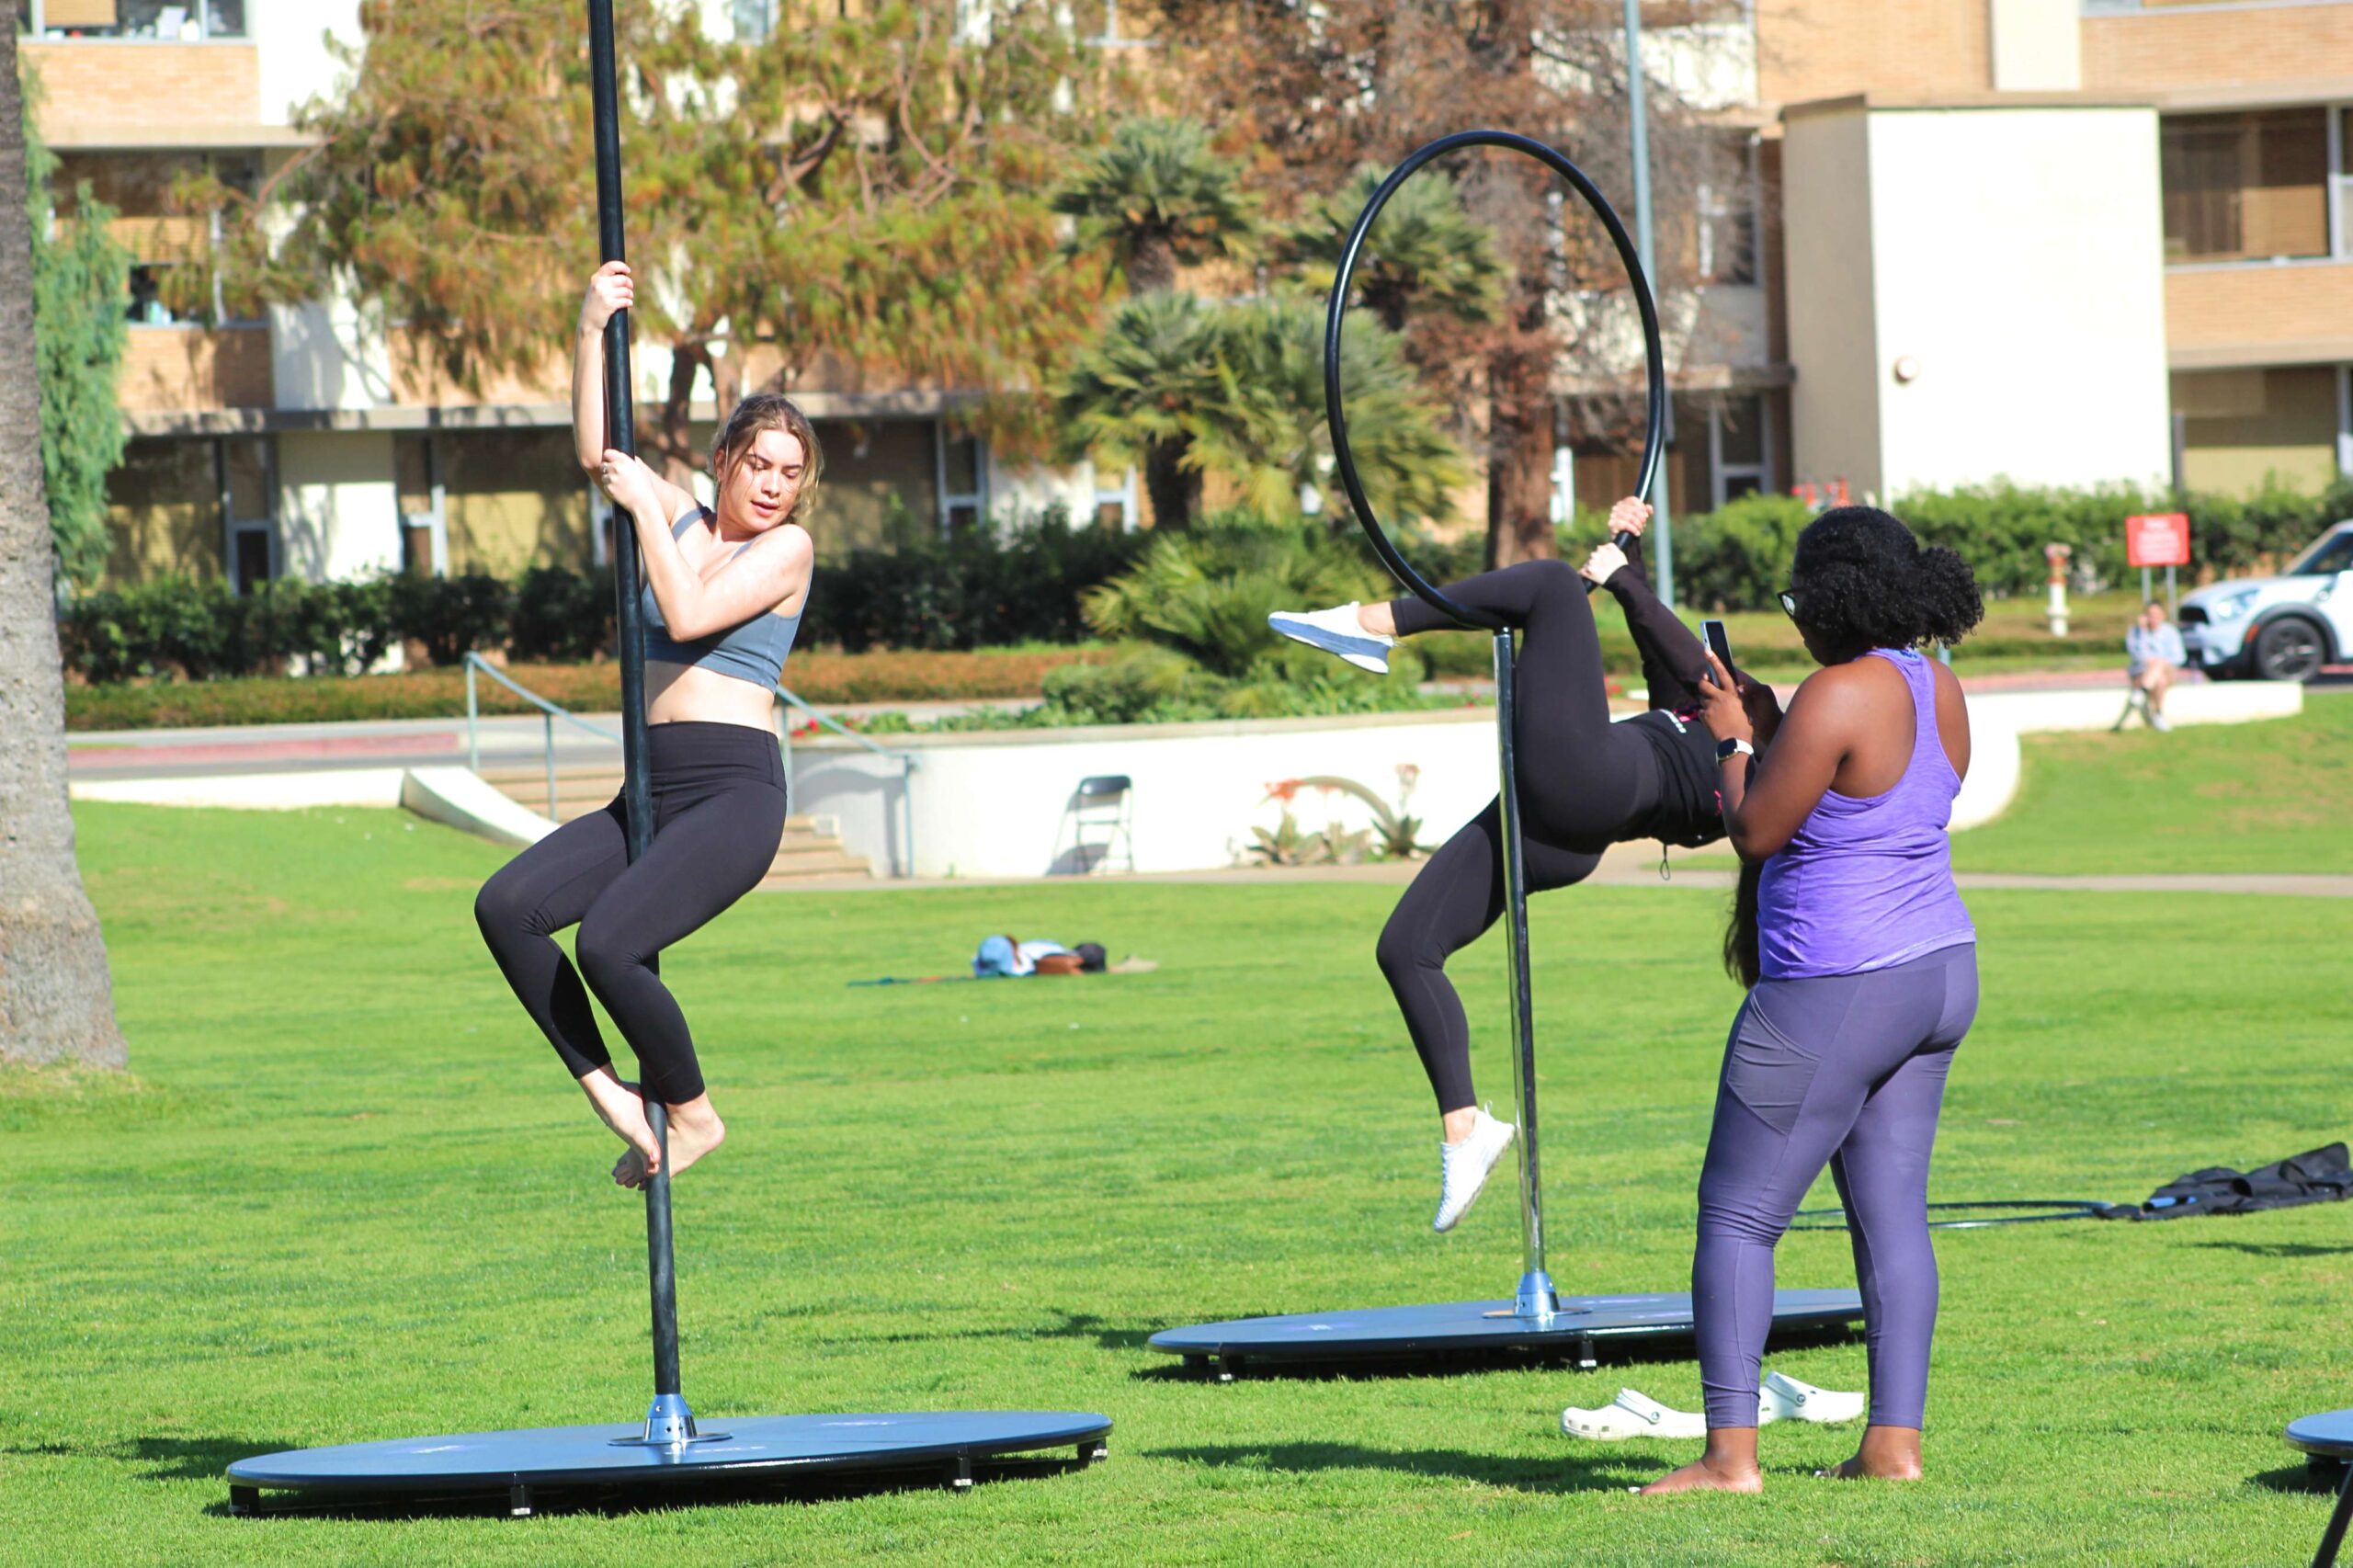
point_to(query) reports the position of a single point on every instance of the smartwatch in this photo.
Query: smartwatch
(1727, 750)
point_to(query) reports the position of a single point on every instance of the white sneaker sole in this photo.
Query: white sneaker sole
(1364, 653)
(1471, 1202)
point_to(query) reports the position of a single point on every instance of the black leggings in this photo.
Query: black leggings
(718, 809)
(1583, 781)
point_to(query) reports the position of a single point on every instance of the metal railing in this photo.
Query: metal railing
(906, 761)
(550, 713)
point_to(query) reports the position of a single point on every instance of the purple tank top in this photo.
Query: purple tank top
(1868, 884)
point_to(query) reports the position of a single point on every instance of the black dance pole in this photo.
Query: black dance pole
(668, 1422)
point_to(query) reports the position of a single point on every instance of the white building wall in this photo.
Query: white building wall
(292, 38)
(1828, 261)
(2038, 45)
(1029, 490)
(338, 511)
(2017, 289)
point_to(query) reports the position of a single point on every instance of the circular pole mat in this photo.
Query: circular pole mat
(1583, 1328)
(760, 1446)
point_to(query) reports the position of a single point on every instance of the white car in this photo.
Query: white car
(2282, 628)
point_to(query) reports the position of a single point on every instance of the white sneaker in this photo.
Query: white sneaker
(1464, 1167)
(1632, 1414)
(1783, 1398)
(2159, 722)
(1336, 631)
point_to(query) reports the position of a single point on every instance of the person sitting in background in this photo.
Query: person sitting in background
(2154, 654)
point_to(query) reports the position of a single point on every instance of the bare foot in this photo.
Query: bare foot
(695, 1130)
(1728, 1465)
(621, 1108)
(1704, 1475)
(1886, 1453)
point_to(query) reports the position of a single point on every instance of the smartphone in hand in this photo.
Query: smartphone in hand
(1718, 644)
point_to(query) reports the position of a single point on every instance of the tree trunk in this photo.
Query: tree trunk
(1519, 458)
(1151, 265)
(679, 463)
(56, 998)
(1175, 490)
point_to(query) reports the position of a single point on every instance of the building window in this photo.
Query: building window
(2241, 429)
(149, 21)
(152, 226)
(249, 505)
(1115, 504)
(2249, 187)
(1740, 447)
(754, 19)
(963, 481)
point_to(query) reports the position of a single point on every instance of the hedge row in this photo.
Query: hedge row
(815, 676)
(977, 590)
(1738, 558)
(990, 589)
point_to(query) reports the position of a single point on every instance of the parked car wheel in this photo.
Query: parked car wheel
(2289, 648)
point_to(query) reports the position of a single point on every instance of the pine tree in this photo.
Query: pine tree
(81, 322)
(862, 197)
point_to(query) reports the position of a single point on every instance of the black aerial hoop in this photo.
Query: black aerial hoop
(1536, 1318)
(668, 1452)
(1336, 318)
(1976, 1216)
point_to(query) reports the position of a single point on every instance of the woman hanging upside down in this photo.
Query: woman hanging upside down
(725, 593)
(1584, 783)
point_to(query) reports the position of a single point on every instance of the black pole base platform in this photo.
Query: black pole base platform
(615, 1457)
(1583, 1330)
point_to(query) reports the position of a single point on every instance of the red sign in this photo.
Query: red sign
(2157, 539)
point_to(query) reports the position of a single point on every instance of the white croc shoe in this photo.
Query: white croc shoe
(1336, 630)
(1783, 1398)
(1632, 1414)
(1464, 1167)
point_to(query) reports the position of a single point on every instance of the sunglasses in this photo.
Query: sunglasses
(1789, 603)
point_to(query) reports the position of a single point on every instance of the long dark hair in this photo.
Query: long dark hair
(1741, 960)
(1860, 580)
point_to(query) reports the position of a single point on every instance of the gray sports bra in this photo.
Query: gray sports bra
(753, 651)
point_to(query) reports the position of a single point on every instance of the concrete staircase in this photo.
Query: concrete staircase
(811, 849)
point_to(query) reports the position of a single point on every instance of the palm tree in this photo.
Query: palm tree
(1141, 394)
(1267, 429)
(56, 998)
(1425, 255)
(1161, 197)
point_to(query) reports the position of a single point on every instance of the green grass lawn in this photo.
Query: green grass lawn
(2277, 796)
(348, 1195)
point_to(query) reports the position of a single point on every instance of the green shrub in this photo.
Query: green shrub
(451, 617)
(1014, 582)
(562, 617)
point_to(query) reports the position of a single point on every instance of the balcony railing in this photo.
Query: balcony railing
(132, 21)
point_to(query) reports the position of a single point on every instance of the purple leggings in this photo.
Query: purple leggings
(1848, 1069)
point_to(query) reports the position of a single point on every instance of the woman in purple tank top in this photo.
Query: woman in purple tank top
(1861, 967)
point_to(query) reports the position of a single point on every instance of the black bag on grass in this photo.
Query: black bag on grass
(2317, 1176)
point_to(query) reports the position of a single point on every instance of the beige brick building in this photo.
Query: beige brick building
(305, 443)
(2252, 108)
(2060, 241)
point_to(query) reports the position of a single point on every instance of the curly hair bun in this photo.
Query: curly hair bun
(1861, 580)
(1951, 605)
